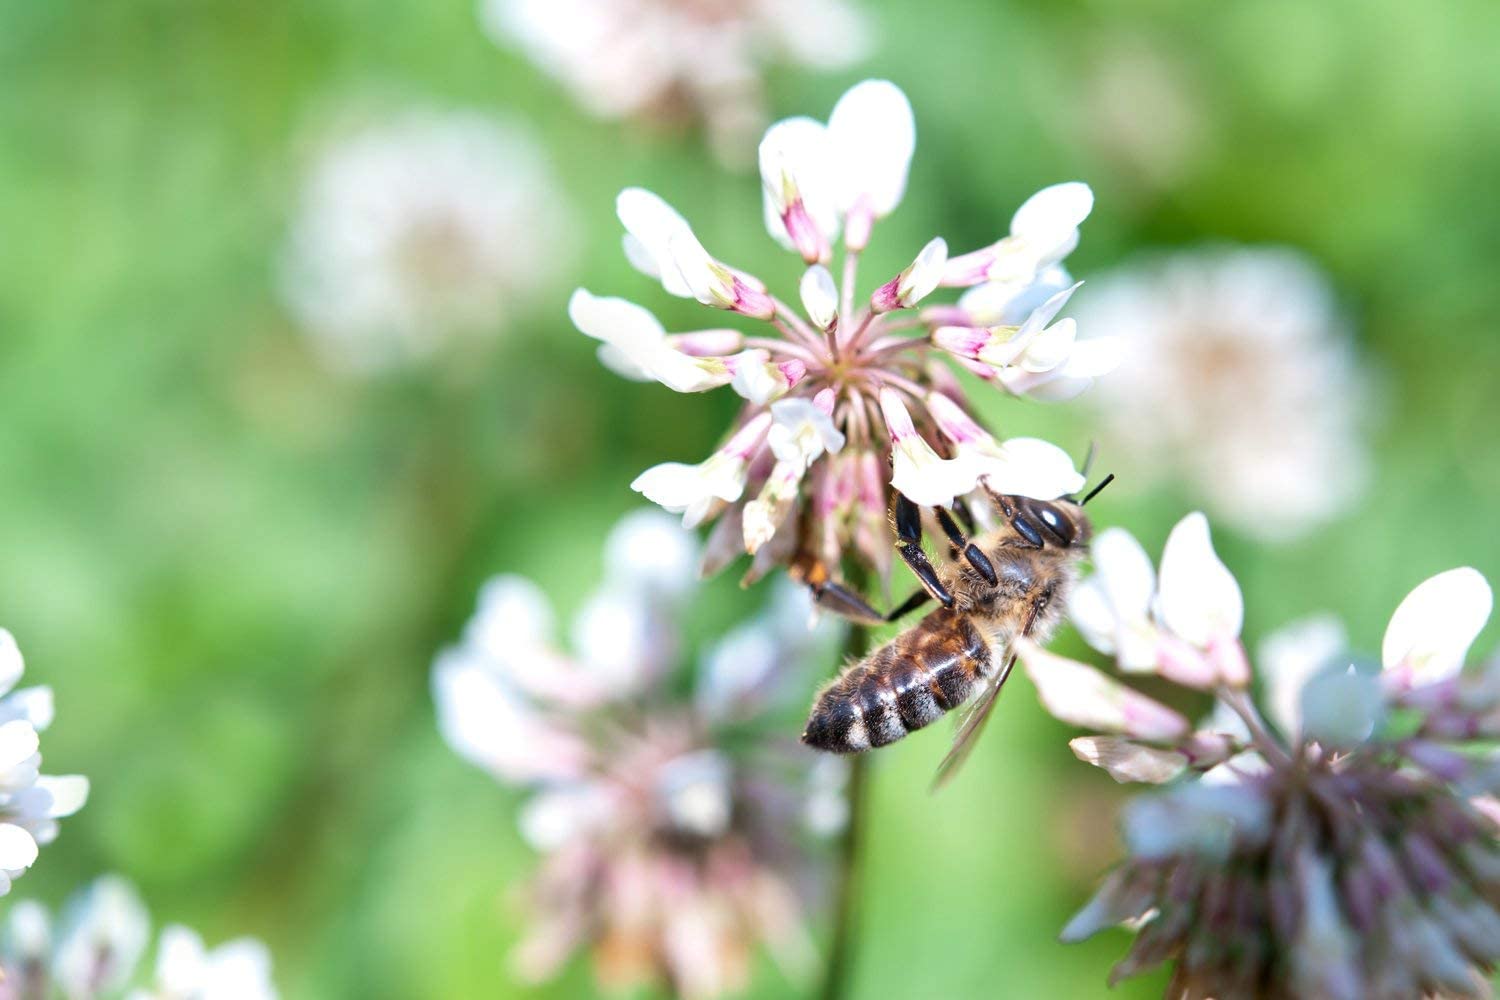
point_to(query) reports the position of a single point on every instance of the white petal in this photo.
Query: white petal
(648, 547)
(1092, 615)
(489, 725)
(512, 614)
(1124, 570)
(17, 848)
(1431, 631)
(34, 704)
(1082, 696)
(1199, 599)
(677, 486)
(820, 297)
(66, 793)
(1032, 467)
(653, 224)
(1126, 760)
(623, 641)
(12, 664)
(1048, 218)
(796, 166)
(802, 432)
(631, 328)
(1042, 315)
(1340, 708)
(1050, 348)
(181, 961)
(555, 816)
(925, 272)
(18, 741)
(695, 792)
(1288, 658)
(1093, 357)
(873, 134)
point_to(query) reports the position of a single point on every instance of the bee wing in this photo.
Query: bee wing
(971, 726)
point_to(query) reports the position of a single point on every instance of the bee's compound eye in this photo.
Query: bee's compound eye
(1060, 527)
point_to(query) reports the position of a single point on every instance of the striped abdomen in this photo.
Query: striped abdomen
(925, 671)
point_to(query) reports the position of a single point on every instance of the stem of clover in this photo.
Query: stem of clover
(839, 972)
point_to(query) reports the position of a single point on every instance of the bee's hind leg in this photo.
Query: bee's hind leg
(907, 518)
(830, 595)
(845, 603)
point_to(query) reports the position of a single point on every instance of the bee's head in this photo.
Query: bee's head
(1062, 521)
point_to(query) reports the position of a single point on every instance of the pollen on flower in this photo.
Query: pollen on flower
(882, 374)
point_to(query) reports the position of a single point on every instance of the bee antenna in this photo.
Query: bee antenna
(1098, 489)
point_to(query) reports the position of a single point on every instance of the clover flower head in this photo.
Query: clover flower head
(669, 851)
(31, 803)
(848, 401)
(679, 59)
(418, 228)
(97, 947)
(1341, 844)
(1241, 382)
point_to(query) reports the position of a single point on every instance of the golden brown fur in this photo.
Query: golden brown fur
(938, 663)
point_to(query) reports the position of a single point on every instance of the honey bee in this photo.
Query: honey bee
(1006, 583)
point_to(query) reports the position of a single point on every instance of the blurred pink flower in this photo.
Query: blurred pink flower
(845, 404)
(668, 854)
(670, 59)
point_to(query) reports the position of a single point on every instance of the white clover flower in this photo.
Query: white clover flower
(663, 59)
(186, 970)
(1334, 856)
(642, 807)
(418, 228)
(102, 935)
(1238, 376)
(871, 371)
(31, 803)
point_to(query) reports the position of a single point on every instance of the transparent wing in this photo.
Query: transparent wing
(971, 726)
(973, 722)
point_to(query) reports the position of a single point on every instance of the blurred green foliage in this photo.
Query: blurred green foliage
(234, 566)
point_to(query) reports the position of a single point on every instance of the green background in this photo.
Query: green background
(234, 566)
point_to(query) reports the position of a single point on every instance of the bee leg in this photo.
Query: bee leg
(908, 518)
(906, 607)
(845, 603)
(970, 551)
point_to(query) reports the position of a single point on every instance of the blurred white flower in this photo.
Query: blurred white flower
(665, 846)
(665, 59)
(1238, 375)
(417, 228)
(31, 803)
(101, 937)
(186, 970)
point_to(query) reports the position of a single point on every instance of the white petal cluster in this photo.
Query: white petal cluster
(506, 694)
(96, 953)
(31, 803)
(417, 228)
(1240, 379)
(647, 57)
(1184, 625)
